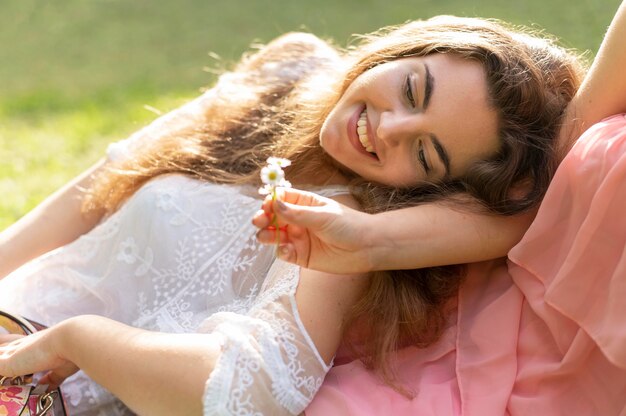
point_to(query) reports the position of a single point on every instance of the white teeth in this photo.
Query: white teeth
(362, 132)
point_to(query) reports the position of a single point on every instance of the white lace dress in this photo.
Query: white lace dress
(181, 256)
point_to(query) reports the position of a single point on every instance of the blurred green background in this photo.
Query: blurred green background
(78, 74)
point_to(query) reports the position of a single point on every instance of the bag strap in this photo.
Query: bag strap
(15, 324)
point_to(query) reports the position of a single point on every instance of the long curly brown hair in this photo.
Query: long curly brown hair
(275, 101)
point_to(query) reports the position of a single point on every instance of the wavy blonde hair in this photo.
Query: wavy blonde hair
(276, 100)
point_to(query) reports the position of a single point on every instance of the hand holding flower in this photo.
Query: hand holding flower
(273, 177)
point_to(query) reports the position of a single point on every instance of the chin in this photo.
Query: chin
(324, 132)
(328, 142)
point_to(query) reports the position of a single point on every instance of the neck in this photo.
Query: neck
(314, 167)
(321, 177)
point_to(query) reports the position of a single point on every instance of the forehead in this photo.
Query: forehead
(466, 76)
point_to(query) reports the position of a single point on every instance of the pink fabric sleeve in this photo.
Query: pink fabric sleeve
(583, 267)
(571, 268)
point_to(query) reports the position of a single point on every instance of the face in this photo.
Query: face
(413, 119)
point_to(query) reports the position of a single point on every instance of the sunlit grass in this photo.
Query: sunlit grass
(45, 142)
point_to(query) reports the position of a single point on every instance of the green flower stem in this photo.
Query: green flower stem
(275, 221)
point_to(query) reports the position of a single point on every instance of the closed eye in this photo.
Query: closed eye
(409, 91)
(422, 158)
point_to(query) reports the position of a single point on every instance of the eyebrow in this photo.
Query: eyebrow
(428, 87)
(441, 151)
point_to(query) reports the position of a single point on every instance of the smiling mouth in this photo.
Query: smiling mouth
(361, 130)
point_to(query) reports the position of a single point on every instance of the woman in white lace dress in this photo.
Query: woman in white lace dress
(166, 243)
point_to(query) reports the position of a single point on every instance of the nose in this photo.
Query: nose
(394, 127)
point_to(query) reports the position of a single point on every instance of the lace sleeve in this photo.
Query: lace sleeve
(269, 364)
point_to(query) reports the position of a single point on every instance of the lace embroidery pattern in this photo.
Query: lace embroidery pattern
(178, 251)
(268, 364)
(212, 254)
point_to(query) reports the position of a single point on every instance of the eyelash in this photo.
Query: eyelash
(422, 158)
(409, 92)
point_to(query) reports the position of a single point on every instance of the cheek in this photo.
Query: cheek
(407, 171)
(328, 130)
(323, 131)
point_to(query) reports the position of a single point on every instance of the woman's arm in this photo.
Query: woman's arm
(325, 235)
(435, 235)
(155, 373)
(57, 221)
(603, 91)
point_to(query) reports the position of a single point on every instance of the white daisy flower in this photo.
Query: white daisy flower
(278, 161)
(266, 189)
(273, 175)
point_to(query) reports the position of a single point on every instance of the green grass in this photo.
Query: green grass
(77, 74)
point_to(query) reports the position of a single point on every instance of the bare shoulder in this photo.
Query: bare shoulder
(340, 290)
(347, 200)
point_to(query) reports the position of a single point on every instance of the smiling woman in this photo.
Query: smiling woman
(380, 131)
(455, 113)
(167, 245)
(538, 332)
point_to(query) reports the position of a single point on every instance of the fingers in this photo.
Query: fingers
(294, 196)
(51, 380)
(287, 253)
(291, 254)
(271, 236)
(293, 246)
(9, 343)
(30, 354)
(267, 206)
(301, 198)
(7, 338)
(262, 219)
(293, 206)
(272, 215)
(303, 216)
(54, 378)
